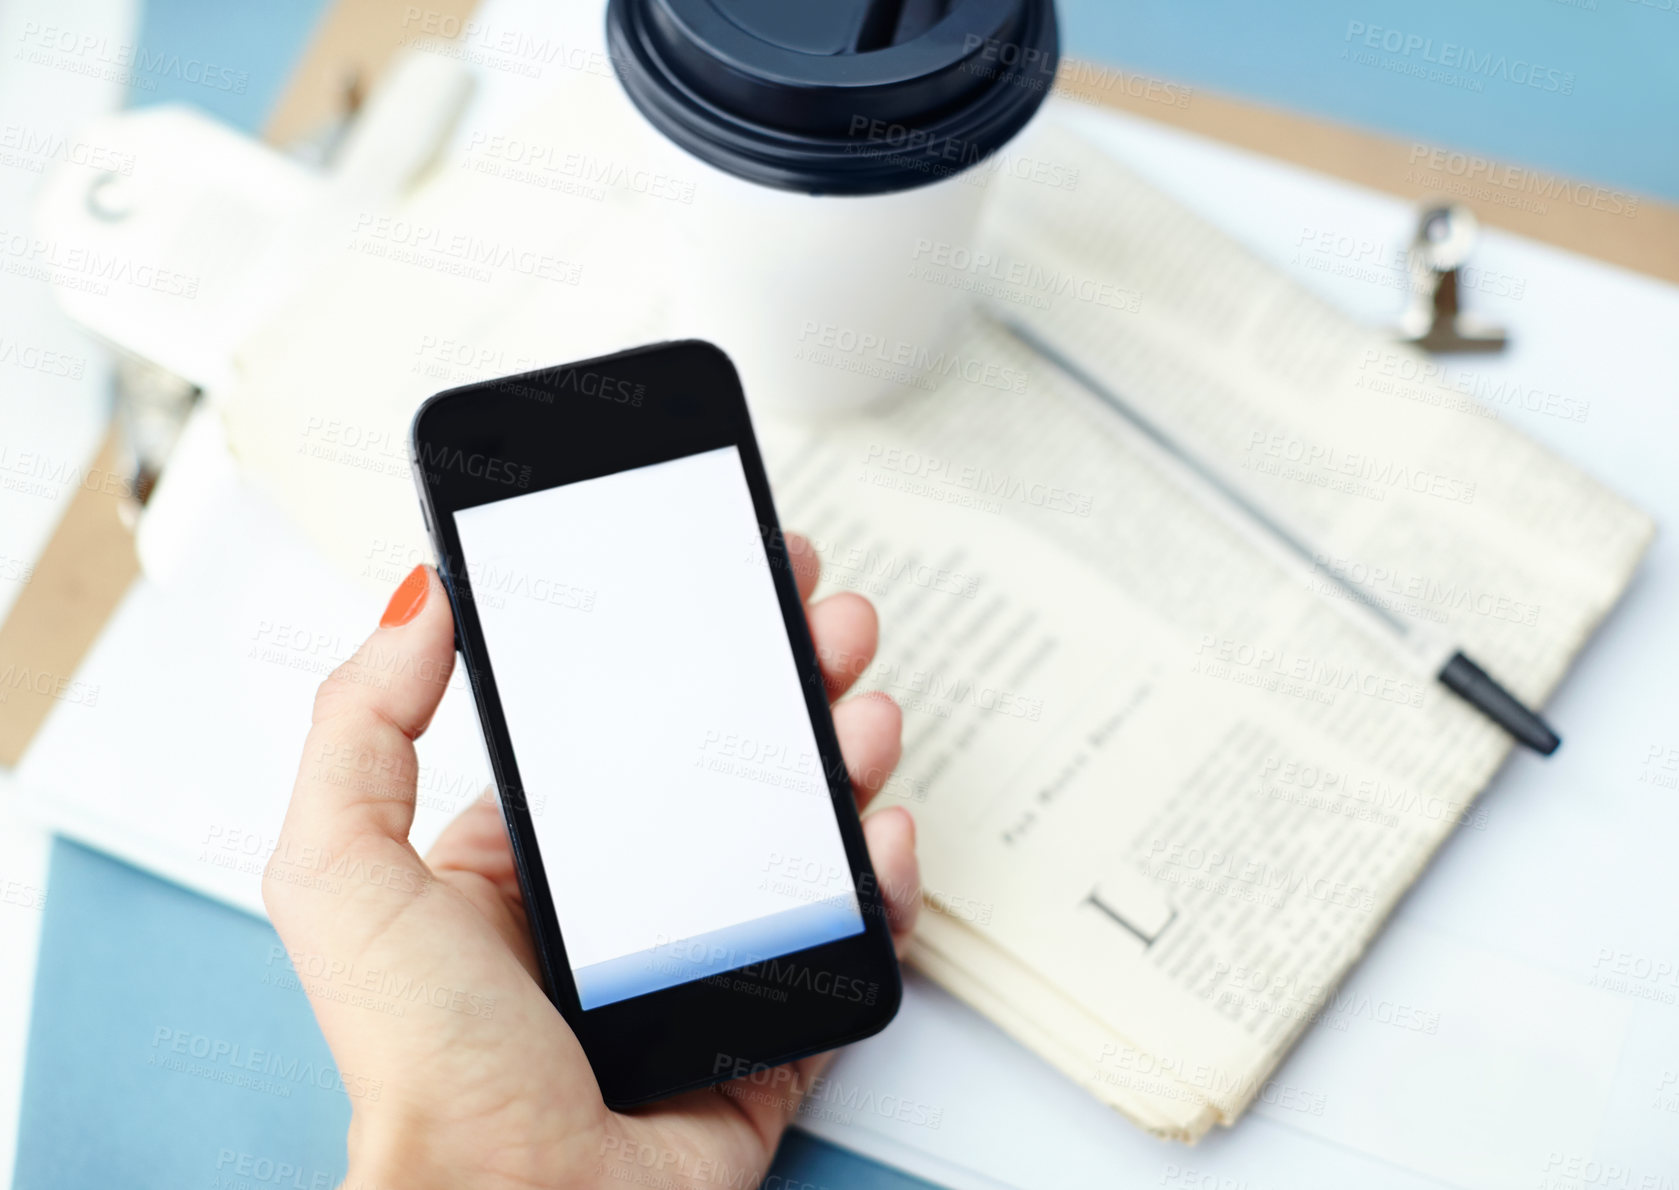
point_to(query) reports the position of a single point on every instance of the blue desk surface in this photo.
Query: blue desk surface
(129, 962)
(1386, 65)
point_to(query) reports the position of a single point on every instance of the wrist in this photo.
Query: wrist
(396, 1149)
(392, 1152)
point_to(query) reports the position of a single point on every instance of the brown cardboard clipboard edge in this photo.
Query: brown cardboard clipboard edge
(353, 43)
(73, 590)
(1634, 231)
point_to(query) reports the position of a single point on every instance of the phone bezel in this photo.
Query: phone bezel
(500, 438)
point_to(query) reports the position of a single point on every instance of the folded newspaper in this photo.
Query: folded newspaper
(1169, 782)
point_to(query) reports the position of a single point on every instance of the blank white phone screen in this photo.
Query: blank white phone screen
(658, 724)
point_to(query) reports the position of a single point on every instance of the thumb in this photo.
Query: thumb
(358, 774)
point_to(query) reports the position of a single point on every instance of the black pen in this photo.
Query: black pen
(1462, 676)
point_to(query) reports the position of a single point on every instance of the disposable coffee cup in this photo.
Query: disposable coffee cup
(835, 147)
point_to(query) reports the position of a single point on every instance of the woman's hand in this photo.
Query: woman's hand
(421, 971)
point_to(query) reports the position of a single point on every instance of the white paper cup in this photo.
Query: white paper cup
(833, 148)
(816, 298)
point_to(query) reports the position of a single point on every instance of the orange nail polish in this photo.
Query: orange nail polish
(409, 598)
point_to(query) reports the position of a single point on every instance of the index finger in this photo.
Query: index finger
(807, 567)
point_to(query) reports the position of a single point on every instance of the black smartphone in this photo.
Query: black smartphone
(692, 862)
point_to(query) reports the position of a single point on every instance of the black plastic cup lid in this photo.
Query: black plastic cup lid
(836, 96)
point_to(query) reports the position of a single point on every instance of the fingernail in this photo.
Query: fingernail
(408, 600)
